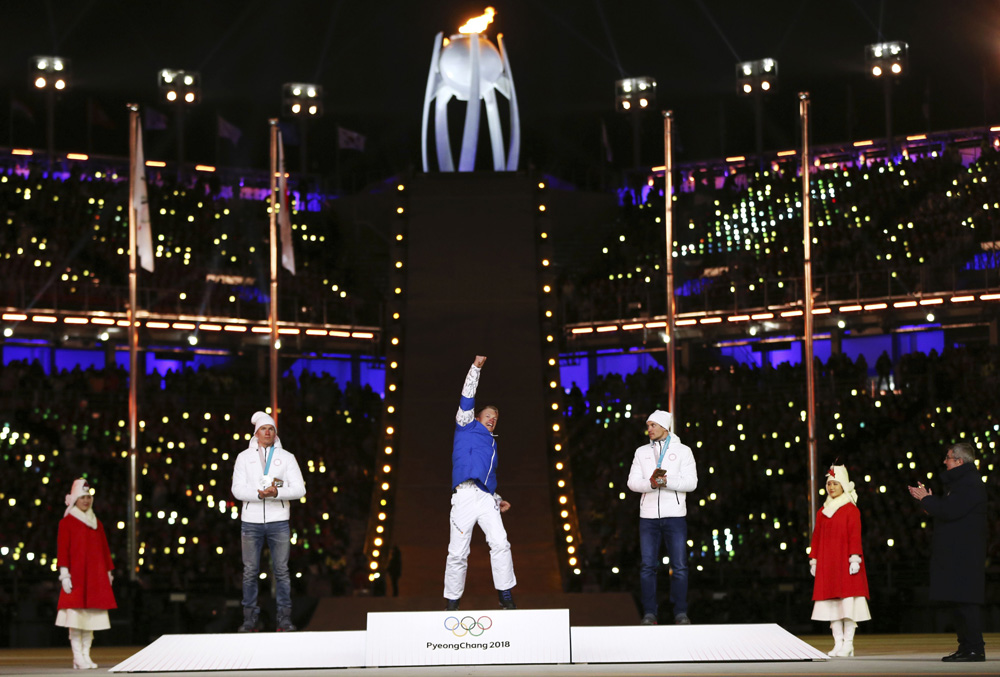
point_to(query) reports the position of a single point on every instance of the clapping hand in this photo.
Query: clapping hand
(920, 492)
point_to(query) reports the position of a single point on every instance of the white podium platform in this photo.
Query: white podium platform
(251, 651)
(474, 637)
(689, 643)
(470, 637)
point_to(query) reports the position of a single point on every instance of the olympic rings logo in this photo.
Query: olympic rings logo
(468, 625)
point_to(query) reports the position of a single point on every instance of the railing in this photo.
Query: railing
(213, 300)
(716, 295)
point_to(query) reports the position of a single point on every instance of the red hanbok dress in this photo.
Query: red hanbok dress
(837, 594)
(83, 549)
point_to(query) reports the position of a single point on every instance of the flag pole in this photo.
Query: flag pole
(273, 314)
(806, 166)
(668, 221)
(133, 346)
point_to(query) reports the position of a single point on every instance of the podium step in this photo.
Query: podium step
(690, 644)
(471, 637)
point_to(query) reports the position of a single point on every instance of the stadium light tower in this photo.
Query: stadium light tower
(757, 78)
(632, 97)
(303, 101)
(180, 88)
(50, 74)
(887, 61)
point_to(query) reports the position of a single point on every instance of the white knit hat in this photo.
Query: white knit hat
(662, 418)
(80, 488)
(261, 419)
(839, 473)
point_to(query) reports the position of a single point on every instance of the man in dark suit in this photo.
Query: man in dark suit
(958, 548)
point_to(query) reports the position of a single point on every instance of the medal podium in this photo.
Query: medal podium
(470, 637)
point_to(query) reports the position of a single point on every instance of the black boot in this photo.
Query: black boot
(506, 599)
(285, 620)
(452, 604)
(251, 620)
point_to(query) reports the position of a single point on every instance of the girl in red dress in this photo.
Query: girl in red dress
(840, 593)
(85, 573)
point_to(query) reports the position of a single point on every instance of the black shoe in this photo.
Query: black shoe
(251, 621)
(285, 621)
(452, 604)
(965, 657)
(506, 599)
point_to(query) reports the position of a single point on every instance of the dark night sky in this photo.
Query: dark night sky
(372, 59)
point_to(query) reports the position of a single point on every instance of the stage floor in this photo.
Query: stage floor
(876, 655)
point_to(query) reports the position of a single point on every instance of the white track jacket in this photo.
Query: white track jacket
(247, 480)
(682, 477)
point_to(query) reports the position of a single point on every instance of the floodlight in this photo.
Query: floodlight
(754, 76)
(49, 71)
(887, 57)
(180, 86)
(635, 93)
(49, 74)
(302, 99)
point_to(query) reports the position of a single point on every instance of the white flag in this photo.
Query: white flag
(140, 202)
(227, 130)
(284, 214)
(349, 140)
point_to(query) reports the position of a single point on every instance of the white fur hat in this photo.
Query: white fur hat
(662, 418)
(260, 419)
(80, 488)
(839, 473)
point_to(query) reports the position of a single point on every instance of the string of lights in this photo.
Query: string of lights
(378, 534)
(561, 475)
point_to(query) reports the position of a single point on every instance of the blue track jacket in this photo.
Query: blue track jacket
(474, 456)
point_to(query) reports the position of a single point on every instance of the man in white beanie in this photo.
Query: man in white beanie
(663, 472)
(266, 480)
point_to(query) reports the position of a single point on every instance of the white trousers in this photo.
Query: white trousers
(470, 506)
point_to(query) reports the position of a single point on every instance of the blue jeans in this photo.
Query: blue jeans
(673, 532)
(277, 535)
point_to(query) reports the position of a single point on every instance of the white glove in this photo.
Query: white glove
(855, 564)
(111, 577)
(67, 584)
(812, 567)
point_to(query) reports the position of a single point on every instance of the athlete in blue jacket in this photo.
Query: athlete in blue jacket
(474, 499)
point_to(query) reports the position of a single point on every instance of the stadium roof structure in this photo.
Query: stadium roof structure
(371, 61)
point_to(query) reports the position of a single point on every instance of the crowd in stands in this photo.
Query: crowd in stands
(65, 245)
(882, 228)
(193, 424)
(748, 520)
